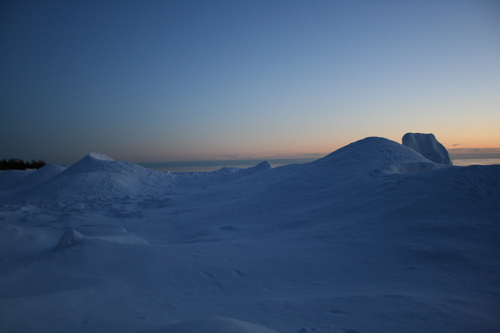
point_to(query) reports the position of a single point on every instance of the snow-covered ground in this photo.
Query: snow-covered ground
(371, 238)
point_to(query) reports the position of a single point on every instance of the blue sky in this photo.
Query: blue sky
(153, 81)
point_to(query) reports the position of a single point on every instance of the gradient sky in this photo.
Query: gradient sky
(151, 81)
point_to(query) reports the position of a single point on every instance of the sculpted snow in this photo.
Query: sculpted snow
(428, 146)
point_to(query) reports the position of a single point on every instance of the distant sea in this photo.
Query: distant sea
(207, 166)
(473, 161)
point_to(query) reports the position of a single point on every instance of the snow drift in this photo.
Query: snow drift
(373, 237)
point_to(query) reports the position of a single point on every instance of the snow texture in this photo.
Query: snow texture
(374, 237)
(428, 146)
(39, 176)
(69, 238)
(216, 325)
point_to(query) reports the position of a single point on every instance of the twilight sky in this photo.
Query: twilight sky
(151, 81)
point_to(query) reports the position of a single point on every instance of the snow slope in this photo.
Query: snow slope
(10, 177)
(93, 177)
(371, 238)
(39, 176)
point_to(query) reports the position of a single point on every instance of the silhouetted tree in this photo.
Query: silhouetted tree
(36, 164)
(17, 164)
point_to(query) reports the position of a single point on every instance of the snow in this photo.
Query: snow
(428, 146)
(97, 156)
(216, 325)
(95, 176)
(373, 237)
(10, 177)
(70, 238)
(39, 176)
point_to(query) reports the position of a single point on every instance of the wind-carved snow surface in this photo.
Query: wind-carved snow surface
(373, 237)
(428, 146)
(216, 325)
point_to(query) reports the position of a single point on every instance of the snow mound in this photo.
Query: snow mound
(265, 165)
(375, 155)
(70, 238)
(262, 166)
(428, 146)
(97, 176)
(216, 325)
(92, 162)
(41, 175)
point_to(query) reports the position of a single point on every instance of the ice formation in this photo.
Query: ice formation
(428, 146)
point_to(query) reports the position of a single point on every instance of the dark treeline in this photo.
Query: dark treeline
(17, 164)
